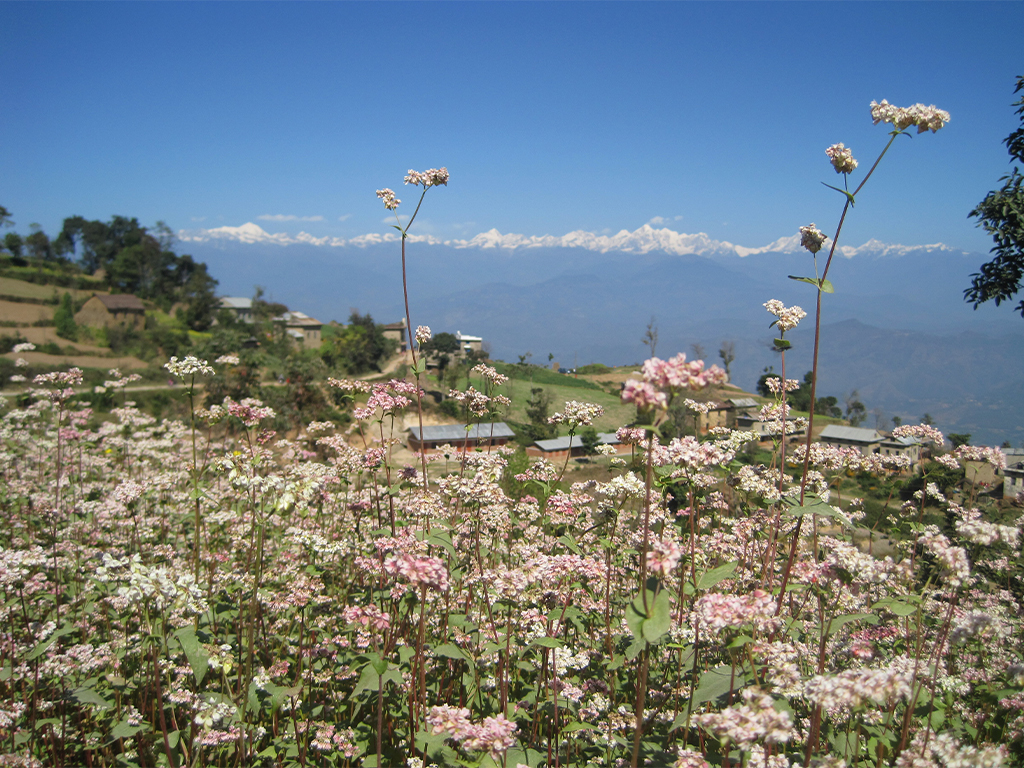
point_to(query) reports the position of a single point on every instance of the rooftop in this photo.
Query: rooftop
(453, 433)
(567, 442)
(851, 434)
(122, 302)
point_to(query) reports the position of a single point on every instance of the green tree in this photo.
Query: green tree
(358, 347)
(64, 319)
(959, 438)
(38, 243)
(856, 411)
(728, 353)
(13, 242)
(5, 217)
(1001, 214)
(589, 441)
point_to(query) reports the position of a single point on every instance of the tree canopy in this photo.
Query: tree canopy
(1001, 214)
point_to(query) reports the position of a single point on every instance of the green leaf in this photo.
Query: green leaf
(849, 197)
(452, 651)
(840, 621)
(813, 506)
(571, 545)
(578, 726)
(782, 343)
(898, 607)
(124, 730)
(547, 642)
(197, 656)
(659, 622)
(715, 575)
(89, 696)
(825, 286)
(40, 649)
(714, 683)
(679, 722)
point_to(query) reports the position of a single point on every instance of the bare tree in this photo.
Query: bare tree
(728, 354)
(650, 337)
(699, 353)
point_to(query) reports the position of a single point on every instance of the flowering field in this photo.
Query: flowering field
(210, 593)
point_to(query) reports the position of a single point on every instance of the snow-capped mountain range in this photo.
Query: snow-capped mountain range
(646, 239)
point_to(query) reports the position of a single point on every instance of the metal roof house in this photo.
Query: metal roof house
(560, 447)
(239, 306)
(479, 436)
(301, 327)
(869, 441)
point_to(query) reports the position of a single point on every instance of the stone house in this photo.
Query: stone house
(103, 311)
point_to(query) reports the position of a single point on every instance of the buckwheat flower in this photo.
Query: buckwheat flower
(25, 346)
(227, 360)
(453, 720)
(21, 363)
(921, 432)
(188, 367)
(812, 238)
(788, 317)
(774, 385)
(128, 491)
(390, 201)
(490, 374)
(756, 719)
(422, 334)
(841, 158)
(419, 570)
(926, 118)
(577, 414)
(429, 178)
(690, 759)
(664, 557)
(18, 378)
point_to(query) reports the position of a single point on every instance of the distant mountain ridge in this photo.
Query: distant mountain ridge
(896, 329)
(645, 239)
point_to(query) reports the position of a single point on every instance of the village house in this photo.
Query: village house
(115, 309)
(763, 429)
(239, 306)
(560, 447)
(469, 344)
(301, 327)
(1013, 474)
(479, 436)
(870, 441)
(397, 331)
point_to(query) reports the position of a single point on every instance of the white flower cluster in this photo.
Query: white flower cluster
(432, 177)
(577, 414)
(812, 238)
(925, 118)
(188, 367)
(25, 346)
(789, 317)
(841, 158)
(228, 360)
(422, 334)
(756, 719)
(390, 201)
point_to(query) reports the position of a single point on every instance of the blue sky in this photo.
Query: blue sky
(551, 117)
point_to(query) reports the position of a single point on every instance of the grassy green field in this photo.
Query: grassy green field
(12, 287)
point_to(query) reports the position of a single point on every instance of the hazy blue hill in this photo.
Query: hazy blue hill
(897, 329)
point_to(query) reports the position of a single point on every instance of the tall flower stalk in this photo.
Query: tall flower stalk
(430, 178)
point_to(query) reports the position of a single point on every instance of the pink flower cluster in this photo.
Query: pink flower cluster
(390, 201)
(369, 616)
(756, 719)
(664, 557)
(490, 374)
(387, 398)
(664, 377)
(717, 611)
(993, 456)
(925, 118)
(250, 410)
(419, 570)
(495, 735)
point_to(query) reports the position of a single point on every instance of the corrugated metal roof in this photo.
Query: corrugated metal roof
(565, 443)
(744, 402)
(121, 302)
(851, 434)
(235, 302)
(452, 433)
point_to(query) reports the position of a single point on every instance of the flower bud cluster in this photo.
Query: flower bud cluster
(661, 378)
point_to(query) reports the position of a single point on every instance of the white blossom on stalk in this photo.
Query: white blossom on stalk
(25, 346)
(190, 366)
(789, 317)
(812, 238)
(390, 201)
(928, 118)
(577, 414)
(422, 334)
(841, 158)
(430, 178)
